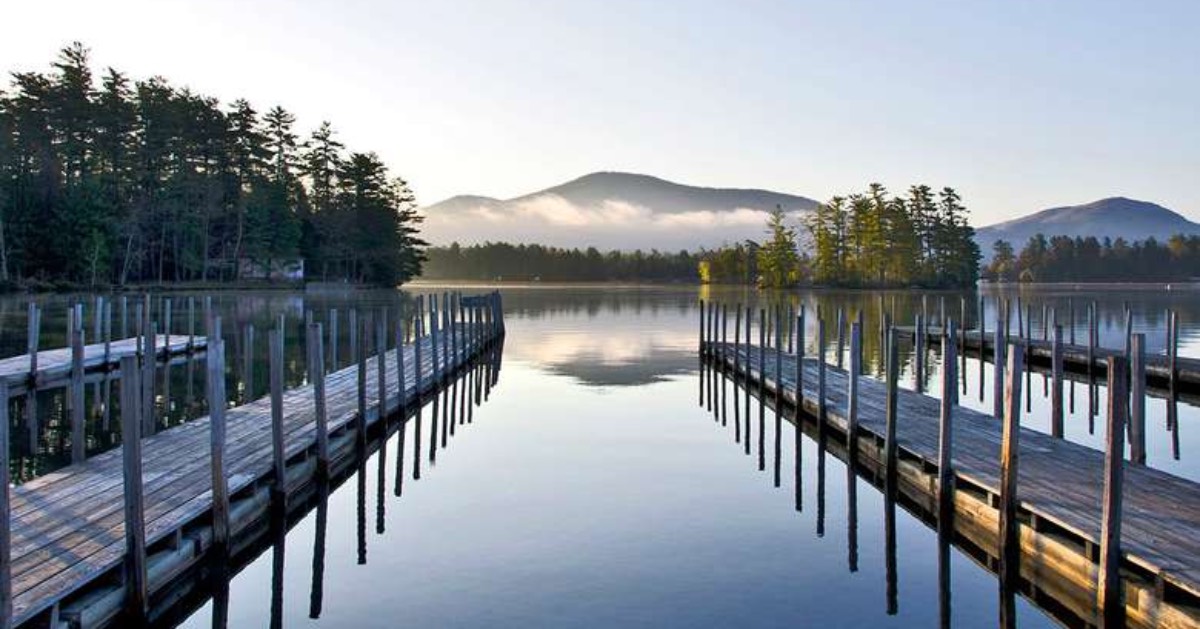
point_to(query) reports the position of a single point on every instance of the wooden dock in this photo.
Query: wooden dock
(1076, 357)
(76, 563)
(1060, 485)
(54, 365)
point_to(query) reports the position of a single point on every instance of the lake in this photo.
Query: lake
(591, 489)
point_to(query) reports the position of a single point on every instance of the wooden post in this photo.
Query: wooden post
(1137, 425)
(778, 363)
(360, 423)
(149, 363)
(78, 427)
(1070, 321)
(278, 452)
(890, 450)
(1172, 367)
(6, 591)
(799, 365)
(945, 430)
(248, 362)
(737, 333)
(1128, 333)
(919, 353)
(852, 390)
(417, 334)
(435, 368)
(316, 375)
(821, 407)
(1026, 348)
(216, 417)
(1010, 547)
(841, 335)
(401, 377)
(333, 339)
(381, 362)
(353, 328)
(1056, 391)
(1108, 588)
(136, 596)
(724, 353)
(191, 323)
(998, 359)
(166, 314)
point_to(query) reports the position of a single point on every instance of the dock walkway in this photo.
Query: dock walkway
(1060, 483)
(54, 365)
(68, 527)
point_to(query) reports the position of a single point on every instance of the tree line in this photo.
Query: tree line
(1067, 259)
(862, 239)
(115, 181)
(519, 262)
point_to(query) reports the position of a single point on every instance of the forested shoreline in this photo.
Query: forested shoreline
(109, 181)
(1084, 260)
(865, 239)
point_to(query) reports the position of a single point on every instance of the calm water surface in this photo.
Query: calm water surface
(590, 489)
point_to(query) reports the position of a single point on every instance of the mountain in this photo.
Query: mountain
(1113, 217)
(612, 210)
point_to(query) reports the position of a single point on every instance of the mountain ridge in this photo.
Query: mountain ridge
(1110, 217)
(623, 210)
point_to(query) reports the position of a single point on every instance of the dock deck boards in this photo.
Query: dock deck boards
(54, 365)
(1059, 481)
(1075, 356)
(68, 526)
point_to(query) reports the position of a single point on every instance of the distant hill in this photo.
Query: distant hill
(1113, 217)
(612, 210)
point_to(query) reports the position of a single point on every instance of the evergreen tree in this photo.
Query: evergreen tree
(777, 259)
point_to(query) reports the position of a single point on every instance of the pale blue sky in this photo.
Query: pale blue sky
(1020, 105)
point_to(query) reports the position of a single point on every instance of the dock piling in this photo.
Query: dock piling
(316, 375)
(1056, 391)
(135, 572)
(216, 419)
(275, 342)
(890, 449)
(1010, 547)
(1108, 590)
(78, 426)
(1137, 406)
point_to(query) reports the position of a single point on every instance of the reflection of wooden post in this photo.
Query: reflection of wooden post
(1137, 424)
(216, 424)
(1108, 590)
(316, 375)
(135, 523)
(1010, 546)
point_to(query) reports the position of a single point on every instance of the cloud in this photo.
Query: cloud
(613, 223)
